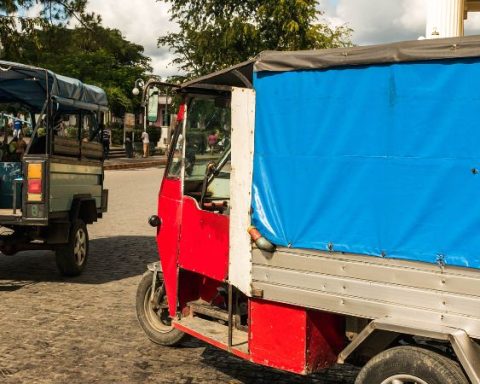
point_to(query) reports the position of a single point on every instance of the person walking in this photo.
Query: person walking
(17, 126)
(212, 141)
(146, 143)
(106, 136)
(21, 147)
(128, 147)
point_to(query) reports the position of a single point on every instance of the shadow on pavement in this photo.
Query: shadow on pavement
(249, 373)
(110, 259)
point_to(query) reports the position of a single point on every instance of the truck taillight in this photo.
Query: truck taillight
(34, 175)
(34, 186)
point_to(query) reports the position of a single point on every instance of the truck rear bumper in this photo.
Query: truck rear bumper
(18, 220)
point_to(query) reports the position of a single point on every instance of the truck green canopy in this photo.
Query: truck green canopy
(31, 86)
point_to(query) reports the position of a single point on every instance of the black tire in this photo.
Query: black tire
(411, 365)
(72, 257)
(155, 322)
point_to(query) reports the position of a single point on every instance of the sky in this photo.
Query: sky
(373, 21)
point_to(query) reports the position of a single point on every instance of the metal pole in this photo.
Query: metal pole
(145, 116)
(230, 316)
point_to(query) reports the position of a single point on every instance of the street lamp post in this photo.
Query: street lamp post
(154, 81)
(140, 84)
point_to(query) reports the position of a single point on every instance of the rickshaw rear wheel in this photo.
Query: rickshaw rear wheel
(411, 365)
(154, 317)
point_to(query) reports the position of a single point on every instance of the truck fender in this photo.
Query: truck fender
(84, 208)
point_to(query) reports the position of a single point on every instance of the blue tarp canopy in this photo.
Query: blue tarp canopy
(381, 160)
(29, 86)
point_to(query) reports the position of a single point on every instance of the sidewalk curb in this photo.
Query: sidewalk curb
(135, 165)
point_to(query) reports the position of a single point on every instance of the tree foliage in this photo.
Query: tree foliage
(215, 34)
(17, 24)
(89, 52)
(95, 55)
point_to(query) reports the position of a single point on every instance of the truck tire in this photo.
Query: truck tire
(411, 365)
(72, 257)
(155, 322)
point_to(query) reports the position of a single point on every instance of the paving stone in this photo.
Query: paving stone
(84, 330)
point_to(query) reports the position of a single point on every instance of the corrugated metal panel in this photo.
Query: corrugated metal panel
(371, 288)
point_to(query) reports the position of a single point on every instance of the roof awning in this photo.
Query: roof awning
(235, 76)
(284, 61)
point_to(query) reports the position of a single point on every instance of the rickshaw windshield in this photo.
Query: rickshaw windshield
(206, 137)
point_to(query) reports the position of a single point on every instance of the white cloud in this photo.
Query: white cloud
(373, 21)
(140, 22)
(34, 11)
(382, 21)
(378, 21)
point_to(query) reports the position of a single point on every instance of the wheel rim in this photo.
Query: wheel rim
(404, 379)
(158, 318)
(80, 248)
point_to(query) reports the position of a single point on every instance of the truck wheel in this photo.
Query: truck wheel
(411, 365)
(154, 318)
(72, 257)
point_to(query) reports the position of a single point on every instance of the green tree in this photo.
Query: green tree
(215, 34)
(16, 26)
(95, 55)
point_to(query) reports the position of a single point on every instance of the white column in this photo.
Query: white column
(445, 18)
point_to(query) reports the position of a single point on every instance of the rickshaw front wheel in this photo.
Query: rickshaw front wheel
(153, 316)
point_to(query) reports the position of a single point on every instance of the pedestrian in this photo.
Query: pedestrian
(212, 140)
(17, 125)
(4, 153)
(146, 143)
(179, 146)
(106, 137)
(3, 122)
(21, 147)
(129, 147)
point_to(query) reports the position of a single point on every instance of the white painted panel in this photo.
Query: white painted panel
(243, 127)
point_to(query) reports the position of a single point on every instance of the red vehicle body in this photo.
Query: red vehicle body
(304, 342)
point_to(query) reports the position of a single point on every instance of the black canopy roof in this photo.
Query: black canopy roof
(29, 85)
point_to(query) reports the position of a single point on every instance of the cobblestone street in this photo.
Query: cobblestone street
(84, 330)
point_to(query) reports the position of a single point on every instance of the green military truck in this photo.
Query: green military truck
(51, 184)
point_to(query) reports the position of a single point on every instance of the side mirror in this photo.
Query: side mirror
(154, 221)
